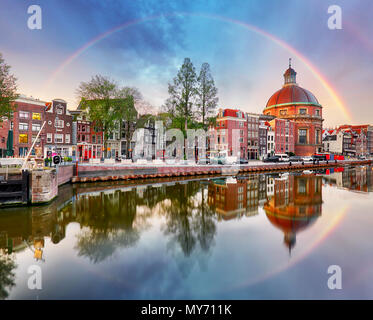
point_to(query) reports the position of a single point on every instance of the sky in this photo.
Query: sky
(247, 44)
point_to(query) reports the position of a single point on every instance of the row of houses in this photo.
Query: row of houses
(251, 136)
(67, 133)
(349, 140)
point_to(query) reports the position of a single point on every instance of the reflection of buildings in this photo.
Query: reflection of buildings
(296, 203)
(233, 198)
(21, 230)
(358, 179)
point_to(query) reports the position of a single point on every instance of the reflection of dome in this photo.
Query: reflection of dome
(290, 225)
(291, 94)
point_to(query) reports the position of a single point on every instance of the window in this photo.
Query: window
(317, 112)
(49, 138)
(34, 137)
(59, 123)
(302, 111)
(98, 139)
(317, 137)
(60, 111)
(283, 112)
(23, 138)
(302, 134)
(67, 138)
(36, 116)
(23, 115)
(36, 127)
(93, 139)
(58, 138)
(23, 126)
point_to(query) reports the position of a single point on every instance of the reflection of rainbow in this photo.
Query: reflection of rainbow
(333, 224)
(252, 28)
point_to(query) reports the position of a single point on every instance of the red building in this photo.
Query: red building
(299, 105)
(284, 132)
(231, 133)
(88, 136)
(27, 121)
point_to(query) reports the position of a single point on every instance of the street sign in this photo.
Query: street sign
(56, 159)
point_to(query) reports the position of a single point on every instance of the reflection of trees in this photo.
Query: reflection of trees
(6, 275)
(189, 223)
(110, 218)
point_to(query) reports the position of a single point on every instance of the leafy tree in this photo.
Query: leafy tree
(182, 92)
(207, 99)
(126, 112)
(97, 97)
(8, 89)
(109, 106)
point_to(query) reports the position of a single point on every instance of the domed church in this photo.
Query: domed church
(294, 103)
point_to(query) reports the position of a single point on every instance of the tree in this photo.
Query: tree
(97, 98)
(207, 99)
(8, 89)
(183, 90)
(108, 105)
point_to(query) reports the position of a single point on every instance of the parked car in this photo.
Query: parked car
(203, 161)
(283, 157)
(319, 157)
(243, 161)
(218, 160)
(272, 159)
(296, 159)
(307, 158)
(362, 158)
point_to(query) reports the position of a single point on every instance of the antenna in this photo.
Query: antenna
(289, 62)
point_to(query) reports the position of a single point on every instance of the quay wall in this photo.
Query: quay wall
(64, 174)
(93, 173)
(44, 185)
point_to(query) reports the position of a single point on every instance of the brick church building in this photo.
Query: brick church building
(294, 103)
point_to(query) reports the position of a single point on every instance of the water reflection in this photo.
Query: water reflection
(113, 217)
(295, 204)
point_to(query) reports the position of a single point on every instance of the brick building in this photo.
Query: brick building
(58, 129)
(28, 119)
(284, 132)
(87, 137)
(299, 105)
(253, 135)
(231, 133)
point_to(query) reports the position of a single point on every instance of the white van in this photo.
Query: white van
(283, 157)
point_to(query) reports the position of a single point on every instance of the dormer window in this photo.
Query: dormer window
(302, 111)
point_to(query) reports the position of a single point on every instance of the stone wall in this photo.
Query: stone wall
(64, 174)
(44, 185)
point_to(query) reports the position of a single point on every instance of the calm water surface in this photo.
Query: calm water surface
(250, 237)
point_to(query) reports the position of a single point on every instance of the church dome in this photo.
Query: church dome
(291, 93)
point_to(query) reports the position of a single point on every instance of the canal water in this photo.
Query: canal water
(267, 236)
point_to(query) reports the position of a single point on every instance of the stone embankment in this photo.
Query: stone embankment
(97, 173)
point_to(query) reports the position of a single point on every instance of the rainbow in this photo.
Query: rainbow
(321, 78)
